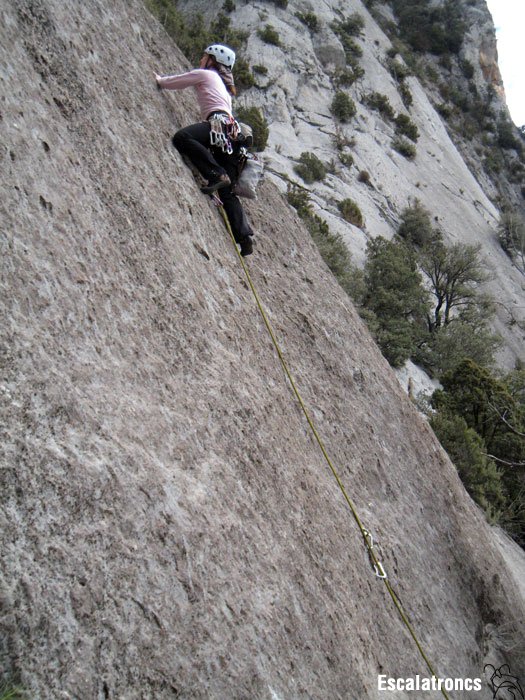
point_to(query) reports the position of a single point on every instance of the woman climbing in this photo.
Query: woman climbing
(212, 145)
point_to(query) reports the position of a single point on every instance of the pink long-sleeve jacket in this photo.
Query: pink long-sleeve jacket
(212, 95)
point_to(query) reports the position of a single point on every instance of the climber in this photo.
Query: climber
(214, 144)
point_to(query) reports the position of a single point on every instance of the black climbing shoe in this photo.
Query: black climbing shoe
(219, 183)
(246, 246)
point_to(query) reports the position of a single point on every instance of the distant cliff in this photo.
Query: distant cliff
(169, 528)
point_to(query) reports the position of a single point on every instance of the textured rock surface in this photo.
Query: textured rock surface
(169, 528)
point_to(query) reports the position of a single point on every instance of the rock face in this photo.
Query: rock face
(169, 527)
(480, 48)
(296, 94)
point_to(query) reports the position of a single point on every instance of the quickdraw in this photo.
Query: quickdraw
(374, 561)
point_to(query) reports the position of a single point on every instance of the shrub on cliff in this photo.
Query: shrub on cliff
(309, 19)
(511, 235)
(351, 212)
(331, 246)
(427, 27)
(343, 107)
(406, 127)
(269, 35)
(346, 77)
(415, 226)
(401, 145)
(255, 118)
(310, 168)
(379, 103)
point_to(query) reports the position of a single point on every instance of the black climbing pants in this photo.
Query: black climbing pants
(194, 142)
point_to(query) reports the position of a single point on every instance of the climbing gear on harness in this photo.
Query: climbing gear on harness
(222, 54)
(245, 135)
(216, 184)
(223, 130)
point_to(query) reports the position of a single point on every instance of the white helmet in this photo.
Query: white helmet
(222, 54)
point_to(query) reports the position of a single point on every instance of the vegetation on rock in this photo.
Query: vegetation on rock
(269, 35)
(364, 177)
(427, 27)
(416, 226)
(406, 127)
(309, 19)
(379, 103)
(351, 212)
(511, 235)
(331, 246)
(448, 318)
(346, 29)
(346, 77)
(401, 145)
(310, 168)
(255, 118)
(343, 107)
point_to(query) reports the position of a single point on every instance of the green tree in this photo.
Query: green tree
(489, 406)
(454, 26)
(443, 349)
(506, 134)
(479, 474)
(395, 296)
(454, 273)
(494, 408)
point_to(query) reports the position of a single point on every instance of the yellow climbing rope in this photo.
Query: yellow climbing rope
(367, 538)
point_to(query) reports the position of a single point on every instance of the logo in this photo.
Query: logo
(503, 684)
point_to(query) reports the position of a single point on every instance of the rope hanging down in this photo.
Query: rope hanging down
(367, 537)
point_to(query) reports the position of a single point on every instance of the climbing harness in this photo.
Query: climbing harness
(367, 537)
